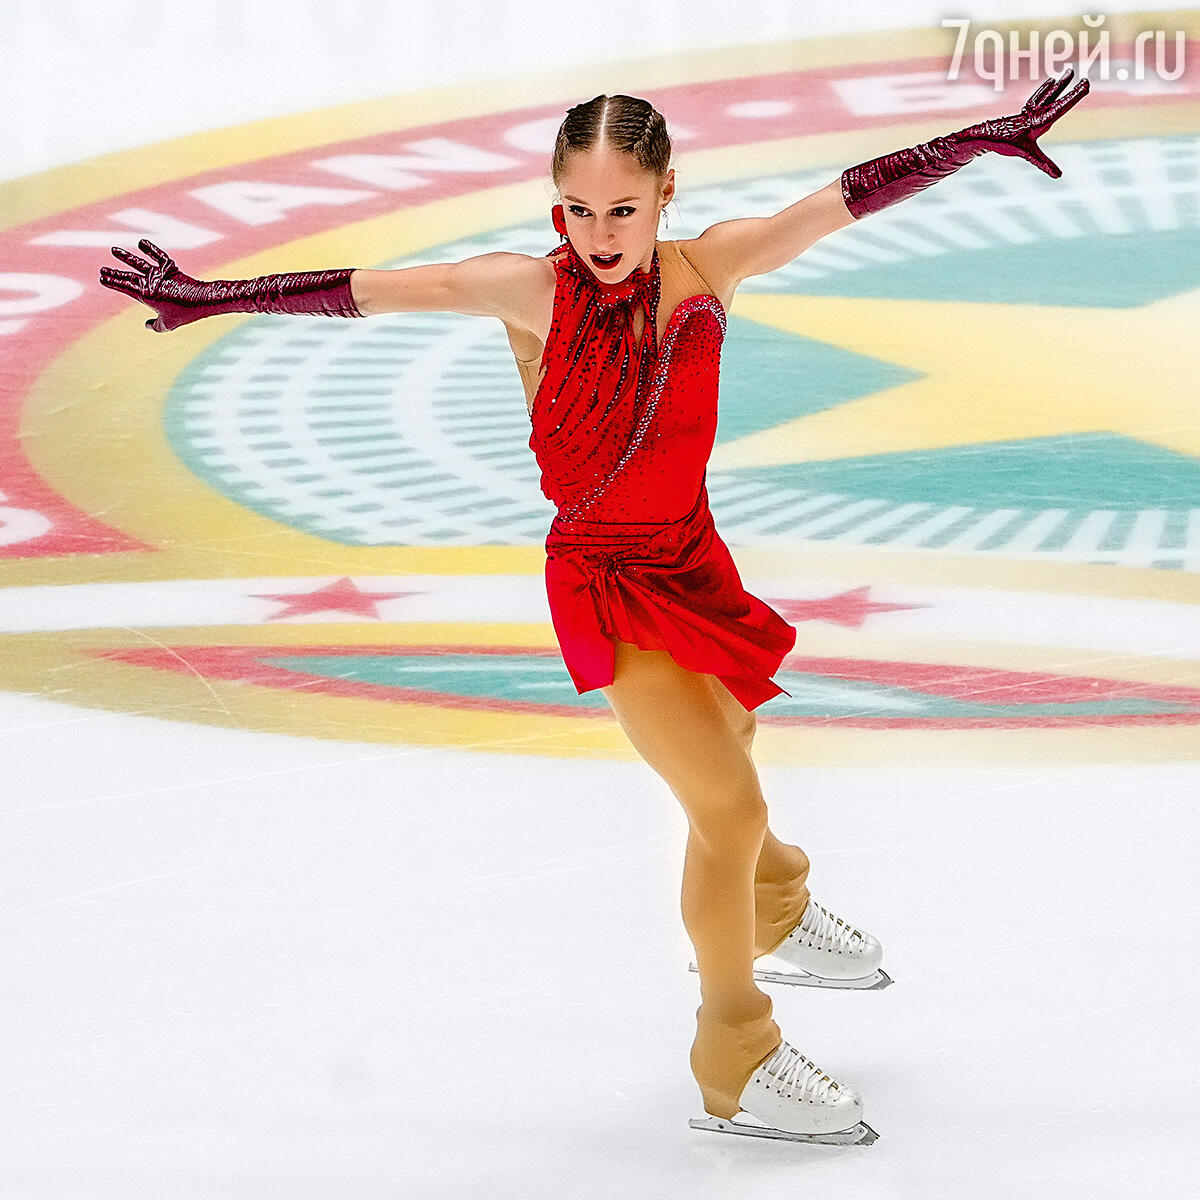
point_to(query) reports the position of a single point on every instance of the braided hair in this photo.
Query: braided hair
(624, 123)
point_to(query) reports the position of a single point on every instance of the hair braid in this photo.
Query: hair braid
(624, 123)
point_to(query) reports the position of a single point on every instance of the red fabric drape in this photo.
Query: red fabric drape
(587, 406)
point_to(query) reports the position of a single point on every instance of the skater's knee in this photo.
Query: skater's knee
(727, 810)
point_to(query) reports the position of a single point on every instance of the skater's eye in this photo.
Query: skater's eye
(622, 210)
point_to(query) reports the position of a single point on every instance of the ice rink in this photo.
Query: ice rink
(318, 880)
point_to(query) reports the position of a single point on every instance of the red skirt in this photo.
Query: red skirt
(671, 587)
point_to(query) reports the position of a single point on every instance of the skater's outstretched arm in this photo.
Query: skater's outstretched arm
(513, 287)
(732, 250)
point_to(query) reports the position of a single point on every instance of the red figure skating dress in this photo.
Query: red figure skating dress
(622, 428)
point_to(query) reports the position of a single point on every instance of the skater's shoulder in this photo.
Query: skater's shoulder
(511, 266)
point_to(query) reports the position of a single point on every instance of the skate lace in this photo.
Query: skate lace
(801, 1076)
(822, 926)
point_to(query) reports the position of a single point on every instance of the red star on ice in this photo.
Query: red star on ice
(846, 608)
(342, 596)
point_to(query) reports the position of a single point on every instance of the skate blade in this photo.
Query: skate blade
(868, 983)
(857, 1135)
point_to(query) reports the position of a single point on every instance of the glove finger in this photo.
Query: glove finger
(1042, 94)
(121, 281)
(132, 259)
(1068, 101)
(1057, 85)
(161, 256)
(1041, 161)
(1080, 90)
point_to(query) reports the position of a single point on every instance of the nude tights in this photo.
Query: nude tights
(743, 889)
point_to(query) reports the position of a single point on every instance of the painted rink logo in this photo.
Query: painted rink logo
(428, 444)
(923, 516)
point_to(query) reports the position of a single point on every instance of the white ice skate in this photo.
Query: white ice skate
(790, 1097)
(824, 951)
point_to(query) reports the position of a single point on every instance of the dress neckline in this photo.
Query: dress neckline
(564, 255)
(639, 286)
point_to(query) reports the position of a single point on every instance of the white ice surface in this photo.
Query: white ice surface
(243, 965)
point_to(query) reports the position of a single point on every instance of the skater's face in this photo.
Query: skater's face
(612, 205)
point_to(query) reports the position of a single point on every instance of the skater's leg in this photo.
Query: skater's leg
(780, 892)
(781, 874)
(676, 722)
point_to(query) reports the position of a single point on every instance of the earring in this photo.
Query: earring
(666, 217)
(559, 219)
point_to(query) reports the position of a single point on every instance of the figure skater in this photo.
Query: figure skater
(617, 338)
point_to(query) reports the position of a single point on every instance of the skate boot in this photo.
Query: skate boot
(829, 952)
(753, 1082)
(788, 1096)
(824, 951)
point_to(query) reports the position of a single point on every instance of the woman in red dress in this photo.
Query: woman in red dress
(617, 337)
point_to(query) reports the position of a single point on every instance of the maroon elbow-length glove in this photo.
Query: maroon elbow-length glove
(179, 299)
(872, 185)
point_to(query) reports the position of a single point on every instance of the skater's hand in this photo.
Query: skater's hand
(1017, 135)
(177, 298)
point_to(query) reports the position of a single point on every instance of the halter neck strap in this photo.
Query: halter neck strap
(637, 287)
